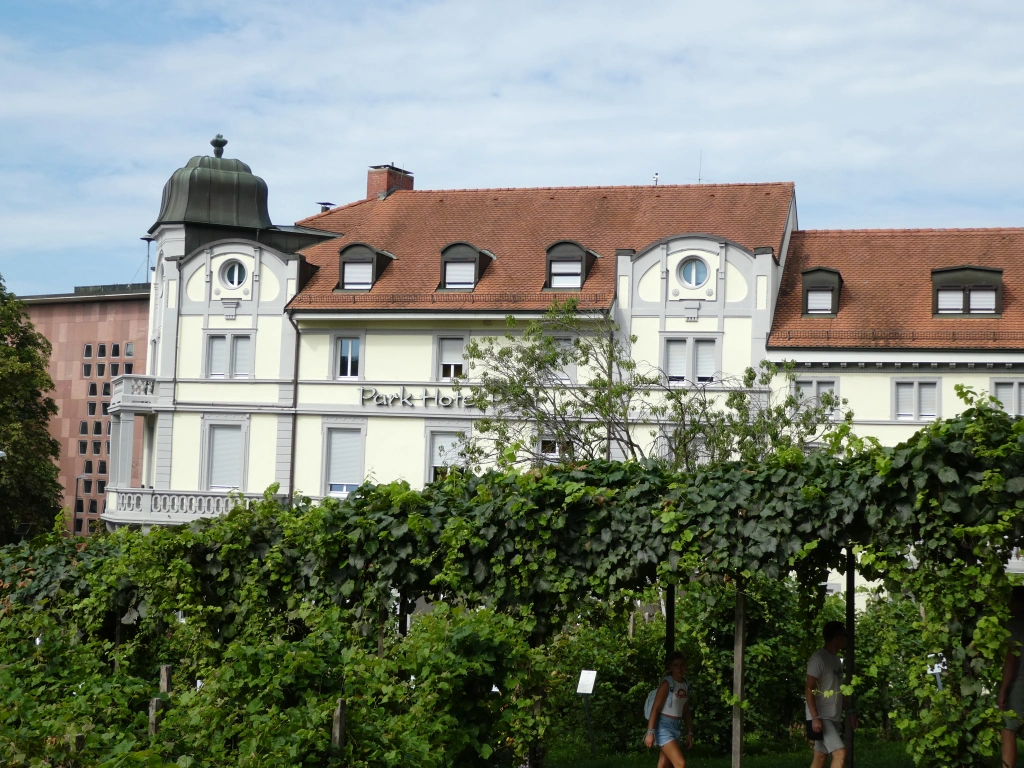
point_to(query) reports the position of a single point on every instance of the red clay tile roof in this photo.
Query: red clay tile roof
(886, 296)
(518, 225)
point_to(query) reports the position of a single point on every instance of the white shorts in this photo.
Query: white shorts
(832, 737)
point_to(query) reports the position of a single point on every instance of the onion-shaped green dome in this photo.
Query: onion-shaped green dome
(215, 190)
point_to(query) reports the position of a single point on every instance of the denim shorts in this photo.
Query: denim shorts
(668, 729)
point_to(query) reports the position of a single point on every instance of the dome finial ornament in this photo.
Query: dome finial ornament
(218, 142)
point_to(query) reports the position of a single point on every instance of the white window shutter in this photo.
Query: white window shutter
(357, 274)
(343, 457)
(451, 350)
(241, 363)
(218, 357)
(951, 300)
(1020, 401)
(928, 400)
(443, 448)
(705, 357)
(459, 274)
(904, 400)
(566, 274)
(822, 387)
(675, 359)
(819, 301)
(1004, 394)
(225, 456)
(804, 389)
(983, 299)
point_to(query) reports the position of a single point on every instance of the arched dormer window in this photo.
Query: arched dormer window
(361, 266)
(569, 263)
(462, 266)
(967, 292)
(821, 288)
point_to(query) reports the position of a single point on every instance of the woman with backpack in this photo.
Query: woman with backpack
(669, 709)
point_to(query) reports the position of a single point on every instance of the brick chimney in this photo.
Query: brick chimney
(382, 180)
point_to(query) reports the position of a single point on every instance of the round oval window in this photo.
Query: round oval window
(694, 272)
(234, 274)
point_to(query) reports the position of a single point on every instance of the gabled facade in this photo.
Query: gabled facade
(319, 355)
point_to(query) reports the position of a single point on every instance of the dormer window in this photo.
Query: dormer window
(821, 288)
(568, 266)
(361, 266)
(462, 266)
(967, 292)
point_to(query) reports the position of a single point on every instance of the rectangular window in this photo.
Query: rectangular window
(88, 467)
(115, 370)
(106, 409)
(225, 461)
(344, 454)
(109, 424)
(101, 370)
(951, 300)
(83, 428)
(97, 427)
(241, 357)
(93, 507)
(450, 355)
(568, 373)
(552, 451)
(819, 301)
(92, 389)
(705, 359)
(917, 400)
(443, 450)
(101, 350)
(79, 506)
(86, 370)
(348, 358)
(115, 350)
(83, 447)
(128, 368)
(983, 300)
(106, 389)
(92, 409)
(101, 486)
(675, 360)
(97, 447)
(217, 357)
(459, 274)
(566, 274)
(108, 447)
(102, 469)
(814, 387)
(87, 486)
(78, 524)
(87, 352)
(1011, 395)
(357, 275)
(129, 349)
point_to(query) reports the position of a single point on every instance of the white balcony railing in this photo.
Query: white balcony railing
(146, 506)
(138, 393)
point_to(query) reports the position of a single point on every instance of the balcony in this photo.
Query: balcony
(146, 506)
(134, 393)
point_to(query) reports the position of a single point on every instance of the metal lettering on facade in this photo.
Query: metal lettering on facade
(409, 399)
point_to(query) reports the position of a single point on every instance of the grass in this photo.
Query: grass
(869, 754)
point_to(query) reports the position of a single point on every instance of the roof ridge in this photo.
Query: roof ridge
(897, 230)
(600, 186)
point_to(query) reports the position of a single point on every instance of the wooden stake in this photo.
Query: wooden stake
(738, 649)
(338, 727)
(165, 678)
(155, 705)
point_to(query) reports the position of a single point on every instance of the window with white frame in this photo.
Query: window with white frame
(554, 451)
(449, 354)
(819, 301)
(229, 356)
(443, 453)
(916, 400)
(815, 388)
(1011, 394)
(567, 274)
(675, 360)
(704, 360)
(459, 274)
(357, 275)
(951, 300)
(344, 461)
(348, 358)
(567, 374)
(224, 463)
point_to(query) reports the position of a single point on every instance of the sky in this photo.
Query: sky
(884, 114)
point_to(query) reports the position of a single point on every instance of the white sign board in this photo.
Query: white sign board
(587, 679)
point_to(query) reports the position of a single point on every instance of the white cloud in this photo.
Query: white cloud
(885, 114)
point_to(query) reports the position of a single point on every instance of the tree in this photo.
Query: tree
(29, 491)
(568, 387)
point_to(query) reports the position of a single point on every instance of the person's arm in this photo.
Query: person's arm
(809, 688)
(1009, 672)
(659, 702)
(688, 719)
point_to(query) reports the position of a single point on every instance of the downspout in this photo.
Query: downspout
(608, 425)
(177, 336)
(295, 404)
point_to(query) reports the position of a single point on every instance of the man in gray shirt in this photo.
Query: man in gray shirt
(824, 698)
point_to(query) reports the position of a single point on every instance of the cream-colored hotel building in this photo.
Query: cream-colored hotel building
(318, 355)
